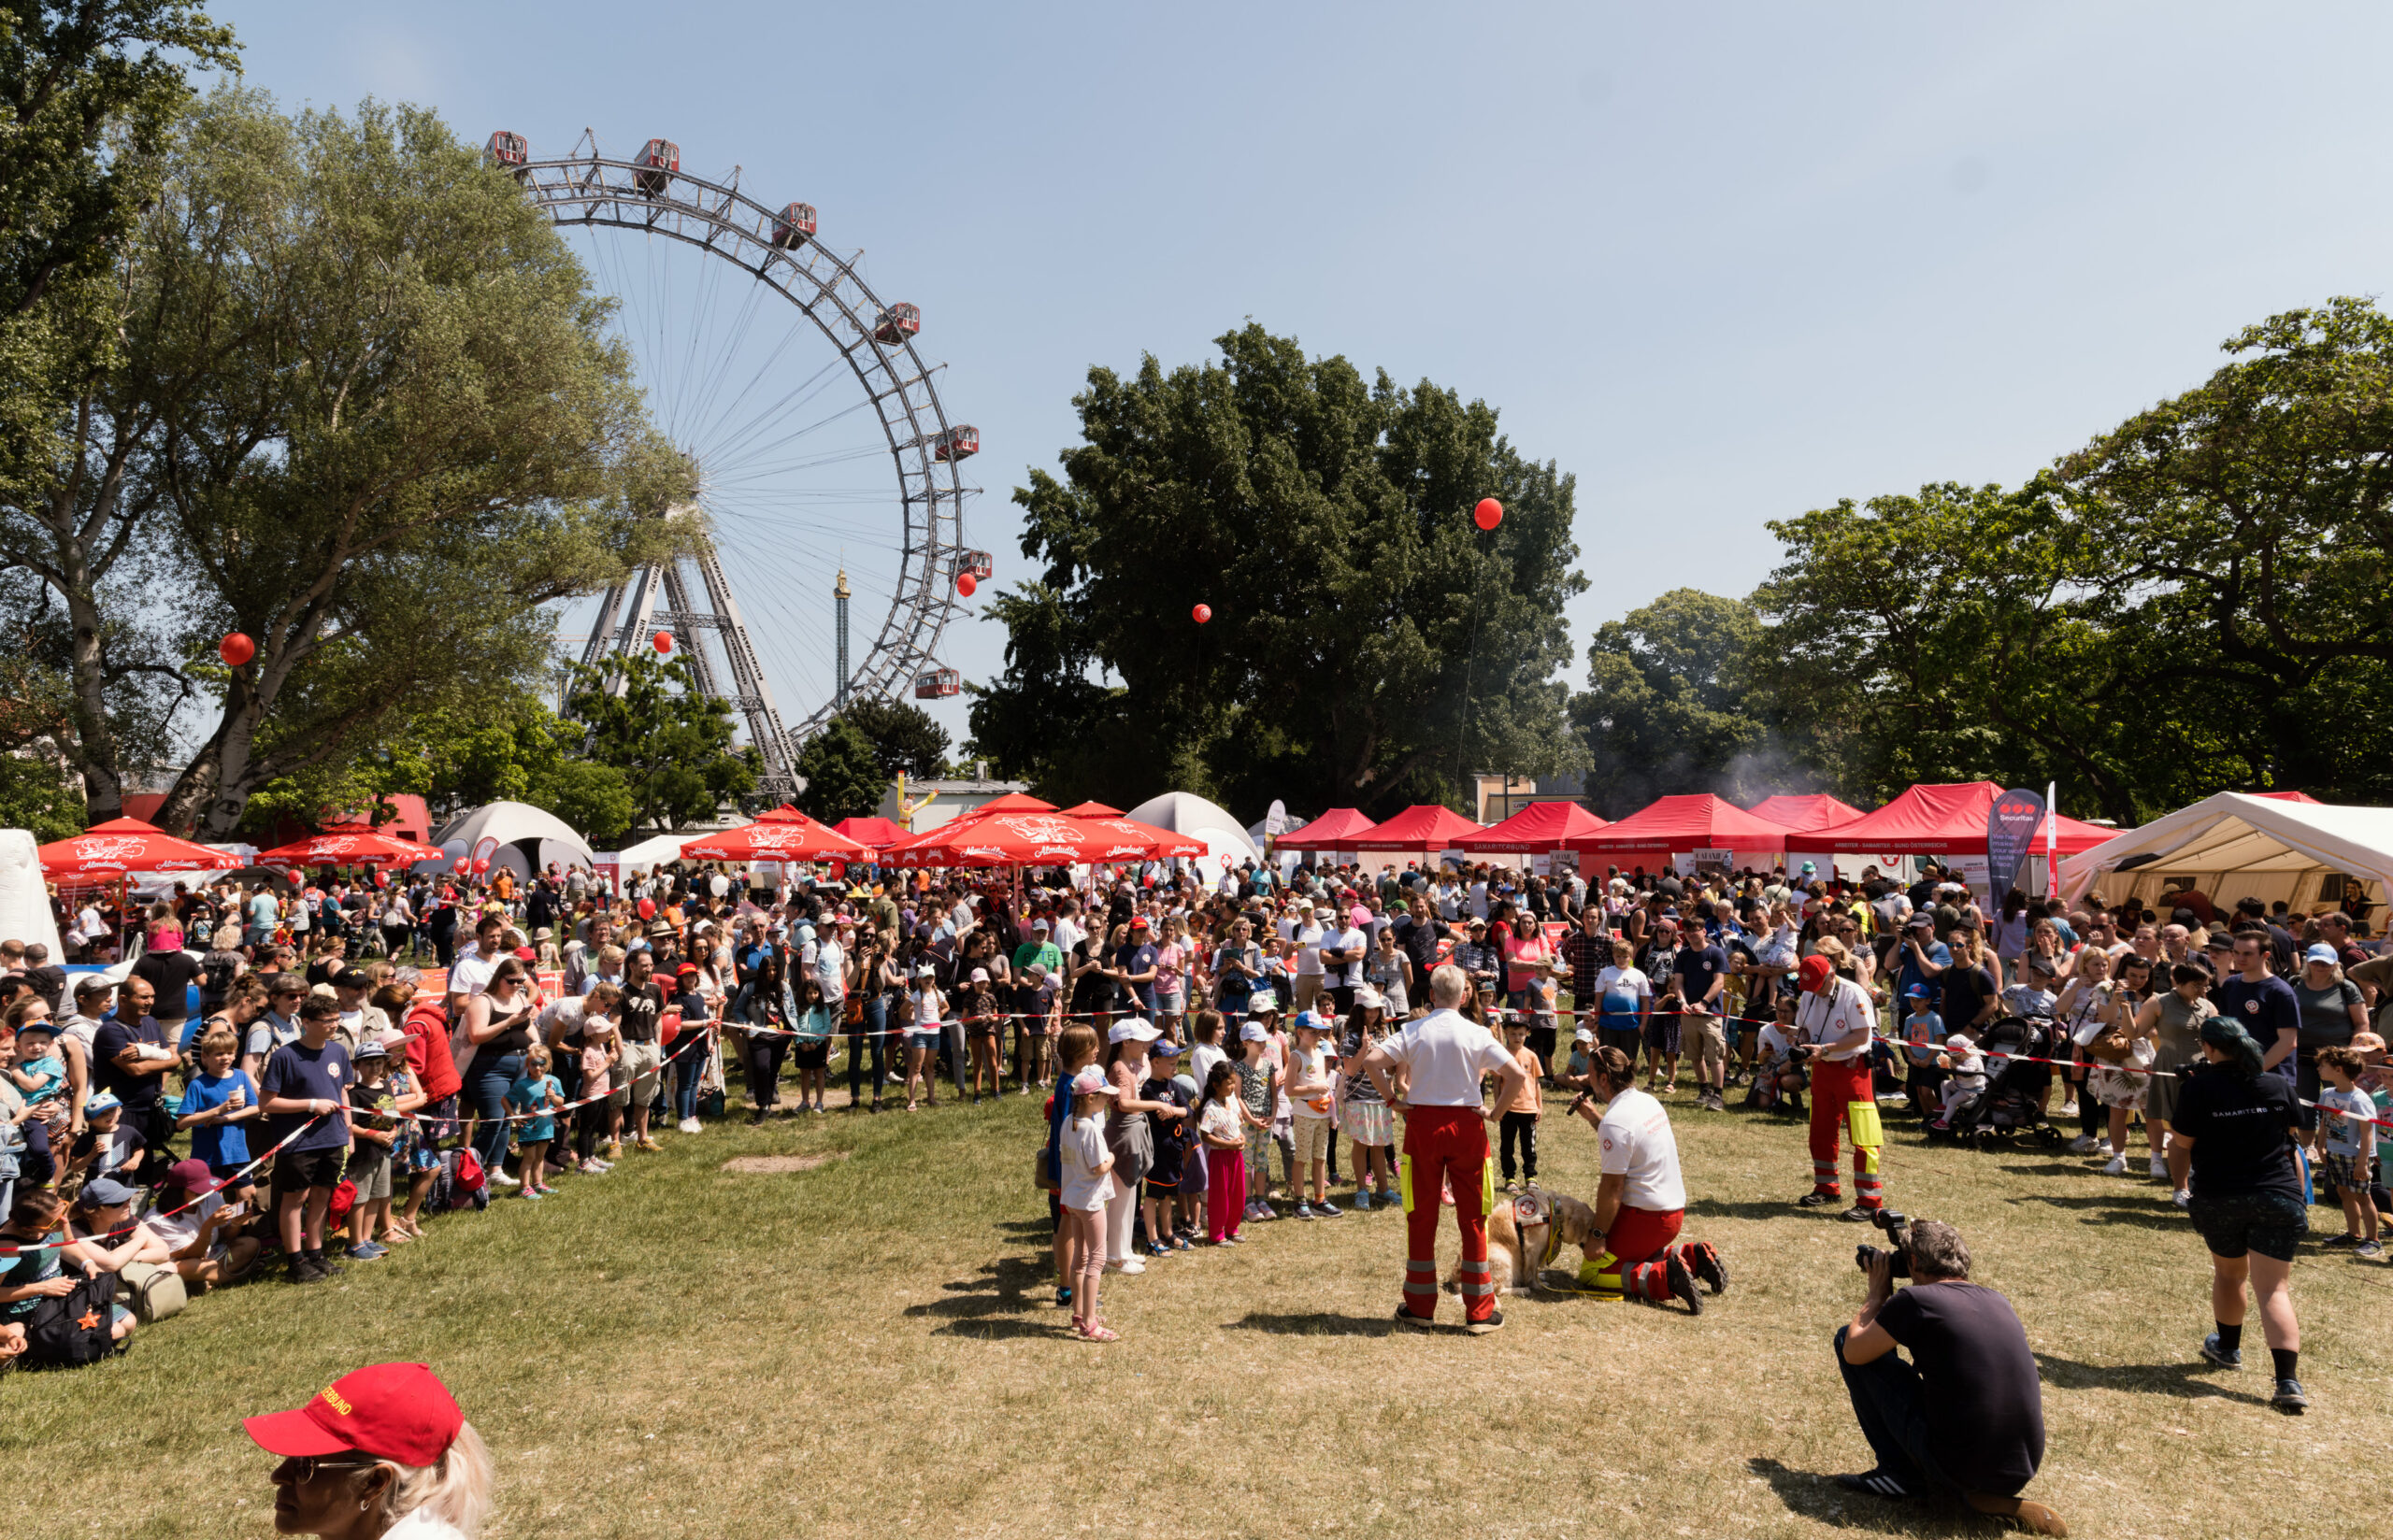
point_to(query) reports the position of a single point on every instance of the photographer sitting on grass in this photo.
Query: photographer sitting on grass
(1966, 1412)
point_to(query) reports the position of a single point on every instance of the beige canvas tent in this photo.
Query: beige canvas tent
(2235, 846)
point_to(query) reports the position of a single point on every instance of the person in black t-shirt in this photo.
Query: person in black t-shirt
(1966, 1412)
(2234, 1129)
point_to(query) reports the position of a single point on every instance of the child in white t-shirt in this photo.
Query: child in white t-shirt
(2347, 1145)
(1086, 1166)
(1967, 1067)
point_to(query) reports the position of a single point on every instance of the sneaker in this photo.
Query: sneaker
(1495, 1322)
(1682, 1283)
(2182, 1198)
(1511, 1186)
(2160, 1168)
(1711, 1268)
(2117, 1166)
(648, 1145)
(1303, 1209)
(1859, 1215)
(691, 1125)
(1816, 1199)
(2067, 1110)
(2369, 1249)
(305, 1270)
(500, 1178)
(1876, 1484)
(2083, 1144)
(2226, 1358)
(532, 1194)
(1326, 1210)
(595, 1167)
(2339, 1243)
(546, 1190)
(2034, 1518)
(368, 1252)
(1418, 1323)
(1063, 1298)
(1362, 1200)
(2289, 1399)
(1231, 1240)
(1126, 1264)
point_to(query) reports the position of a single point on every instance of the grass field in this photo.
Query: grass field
(869, 1346)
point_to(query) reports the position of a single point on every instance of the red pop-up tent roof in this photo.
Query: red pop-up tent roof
(1937, 820)
(1325, 832)
(1538, 829)
(1805, 813)
(1692, 821)
(878, 833)
(1422, 826)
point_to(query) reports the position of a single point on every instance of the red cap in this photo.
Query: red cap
(393, 1411)
(1814, 974)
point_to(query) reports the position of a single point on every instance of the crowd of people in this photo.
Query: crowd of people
(299, 1074)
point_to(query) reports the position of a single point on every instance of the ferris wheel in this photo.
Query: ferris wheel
(796, 391)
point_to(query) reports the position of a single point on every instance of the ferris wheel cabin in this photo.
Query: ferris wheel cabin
(934, 684)
(507, 149)
(793, 226)
(974, 564)
(898, 324)
(958, 443)
(654, 166)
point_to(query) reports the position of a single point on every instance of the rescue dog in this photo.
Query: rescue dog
(1526, 1232)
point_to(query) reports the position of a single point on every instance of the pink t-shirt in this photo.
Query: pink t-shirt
(1168, 969)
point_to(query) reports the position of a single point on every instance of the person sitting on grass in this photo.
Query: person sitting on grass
(200, 1218)
(39, 1261)
(1778, 1080)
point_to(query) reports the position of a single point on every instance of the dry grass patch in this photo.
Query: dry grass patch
(768, 1165)
(657, 1355)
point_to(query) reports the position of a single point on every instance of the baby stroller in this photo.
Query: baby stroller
(2013, 1099)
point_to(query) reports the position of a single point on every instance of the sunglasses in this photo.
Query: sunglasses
(307, 1467)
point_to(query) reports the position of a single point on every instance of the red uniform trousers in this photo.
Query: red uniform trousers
(1636, 1260)
(1835, 1086)
(1446, 1146)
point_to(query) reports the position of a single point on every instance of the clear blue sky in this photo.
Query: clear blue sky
(1724, 262)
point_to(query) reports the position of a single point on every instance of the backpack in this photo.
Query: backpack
(468, 1184)
(152, 1293)
(72, 1329)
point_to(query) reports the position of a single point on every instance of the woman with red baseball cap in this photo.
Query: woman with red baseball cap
(380, 1451)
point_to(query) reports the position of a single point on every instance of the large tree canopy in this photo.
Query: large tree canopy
(672, 744)
(1668, 705)
(1367, 645)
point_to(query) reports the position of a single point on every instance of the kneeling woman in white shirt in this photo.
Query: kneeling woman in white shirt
(1641, 1200)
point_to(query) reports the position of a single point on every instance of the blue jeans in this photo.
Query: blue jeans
(688, 1065)
(486, 1085)
(872, 1041)
(1886, 1394)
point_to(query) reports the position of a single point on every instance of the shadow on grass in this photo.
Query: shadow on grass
(2100, 1208)
(1317, 1325)
(988, 1304)
(2187, 1381)
(1757, 1208)
(1819, 1499)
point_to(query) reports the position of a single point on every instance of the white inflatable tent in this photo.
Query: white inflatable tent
(1187, 813)
(2234, 846)
(528, 837)
(25, 914)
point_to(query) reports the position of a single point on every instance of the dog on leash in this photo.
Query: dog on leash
(1525, 1232)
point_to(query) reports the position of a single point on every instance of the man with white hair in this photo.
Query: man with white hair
(1445, 1056)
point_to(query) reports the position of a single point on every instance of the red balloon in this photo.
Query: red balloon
(668, 1027)
(1201, 614)
(647, 907)
(462, 863)
(664, 642)
(236, 649)
(481, 866)
(966, 584)
(1489, 513)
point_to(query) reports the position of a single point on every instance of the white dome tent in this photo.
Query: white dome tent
(528, 838)
(1187, 813)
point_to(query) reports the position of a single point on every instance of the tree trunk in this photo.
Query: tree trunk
(94, 750)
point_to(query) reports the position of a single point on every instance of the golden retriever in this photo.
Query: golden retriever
(1525, 1232)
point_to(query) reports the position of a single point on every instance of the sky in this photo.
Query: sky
(1722, 263)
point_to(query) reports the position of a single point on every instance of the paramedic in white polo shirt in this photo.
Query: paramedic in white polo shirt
(1836, 1020)
(1641, 1202)
(1445, 1055)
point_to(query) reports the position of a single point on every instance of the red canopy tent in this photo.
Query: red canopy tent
(127, 847)
(1422, 826)
(1092, 810)
(877, 832)
(1678, 825)
(1540, 829)
(352, 845)
(1324, 832)
(1012, 801)
(2290, 796)
(1805, 813)
(782, 835)
(1939, 820)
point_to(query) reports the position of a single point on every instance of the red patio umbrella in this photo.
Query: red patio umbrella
(878, 833)
(782, 835)
(127, 847)
(1092, 810)
(351, 845)
(1130, 840)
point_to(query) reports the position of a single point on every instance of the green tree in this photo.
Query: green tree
(903, 737)
(88, 90)
(670, 744)
(843, 771)
(1667, 707)
(1366, 644)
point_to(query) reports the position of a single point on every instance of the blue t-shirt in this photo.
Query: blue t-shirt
(304, 1074)
(2262, 1009)
(1699, 968)
(1938, 953)
(1923, 1036)
(1624, 1006)
(49, 1075)
(220, 1145)
(21, 1268)
(531, 1093)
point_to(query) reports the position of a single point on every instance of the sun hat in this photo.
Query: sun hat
(1585, 1035)
(1263, 1001)
(1959, 1044)
(1091, 1081)
(399, 1412)
(1138, 1029)
(372, 1049)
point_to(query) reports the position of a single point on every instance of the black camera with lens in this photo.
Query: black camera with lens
(1897, 1233)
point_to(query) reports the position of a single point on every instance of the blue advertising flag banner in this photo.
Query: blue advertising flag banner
(2011, 828)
